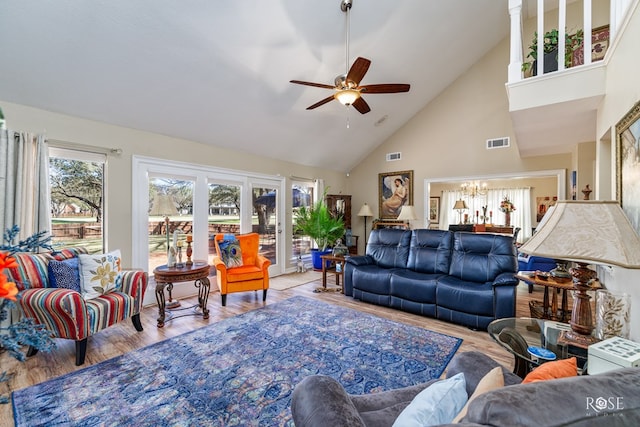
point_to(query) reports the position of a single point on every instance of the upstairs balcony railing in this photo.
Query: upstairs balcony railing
(618, 9)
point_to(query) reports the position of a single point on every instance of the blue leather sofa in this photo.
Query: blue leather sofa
(460, 277)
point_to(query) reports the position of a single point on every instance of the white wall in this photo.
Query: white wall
(623, 91)
(448, 139)
(118, 216)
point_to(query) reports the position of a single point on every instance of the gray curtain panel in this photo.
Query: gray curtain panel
(24, 182)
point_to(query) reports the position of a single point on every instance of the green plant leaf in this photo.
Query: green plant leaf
(317, 222)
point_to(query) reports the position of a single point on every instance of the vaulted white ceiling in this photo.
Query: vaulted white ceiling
(217, 72)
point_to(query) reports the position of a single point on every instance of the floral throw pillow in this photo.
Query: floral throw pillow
(99, 273)
(230, 252)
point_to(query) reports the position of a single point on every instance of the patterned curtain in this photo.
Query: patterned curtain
(24, 183)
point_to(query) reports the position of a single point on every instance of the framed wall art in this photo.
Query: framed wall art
(628, 165)
(434, 209)
(395, 191)
(599, 46)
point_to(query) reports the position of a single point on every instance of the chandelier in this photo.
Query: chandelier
(474, 189)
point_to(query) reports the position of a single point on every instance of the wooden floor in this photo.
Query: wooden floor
(123, 338)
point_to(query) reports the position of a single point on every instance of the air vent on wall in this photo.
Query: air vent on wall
(498, 143)
(393, 156)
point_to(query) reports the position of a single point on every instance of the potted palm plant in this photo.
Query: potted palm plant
(550, 51)
(317, 222)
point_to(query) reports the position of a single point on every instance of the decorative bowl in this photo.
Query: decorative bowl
(542, 275)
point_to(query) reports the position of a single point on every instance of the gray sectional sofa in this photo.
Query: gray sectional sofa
(609, 399)
(460, 277)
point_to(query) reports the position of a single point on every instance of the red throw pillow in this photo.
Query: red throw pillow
(551, 370)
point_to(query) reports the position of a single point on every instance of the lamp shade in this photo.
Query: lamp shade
(365, 211)
(460, 204)
(163, 205)
(407, 213)
(587, 231)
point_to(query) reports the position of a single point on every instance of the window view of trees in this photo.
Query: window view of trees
(302, 195)
(77, 203)
(170, 211)
(171, 208)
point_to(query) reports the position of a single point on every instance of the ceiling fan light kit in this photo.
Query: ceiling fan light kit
(347, 86)
(347, 96)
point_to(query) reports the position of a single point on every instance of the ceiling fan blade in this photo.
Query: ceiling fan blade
(300, 82)
(358, 70)
(385, 88)
(361, 105)
(319, 103)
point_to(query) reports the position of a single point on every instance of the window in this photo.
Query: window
(302, 195)
(76, 181)
(207, 200)
(170, 214)
(224, 210)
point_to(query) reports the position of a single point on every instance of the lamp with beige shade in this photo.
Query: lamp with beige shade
(585, 232)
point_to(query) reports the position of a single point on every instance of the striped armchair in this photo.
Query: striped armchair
(64, 312)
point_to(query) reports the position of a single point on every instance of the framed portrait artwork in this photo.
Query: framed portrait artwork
(628, 165)
(434, 209)
(395, 191)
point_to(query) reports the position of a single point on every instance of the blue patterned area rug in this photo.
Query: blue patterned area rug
(240, 371)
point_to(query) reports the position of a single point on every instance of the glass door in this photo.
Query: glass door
(224, 210)
(302, 196)
(265, 220)
(170, 214)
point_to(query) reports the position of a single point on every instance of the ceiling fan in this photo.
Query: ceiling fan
(348, 90)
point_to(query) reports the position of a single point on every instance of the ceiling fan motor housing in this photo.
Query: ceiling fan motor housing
(342, 83)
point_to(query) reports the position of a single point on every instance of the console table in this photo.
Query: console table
(482, 228)
(166, 276)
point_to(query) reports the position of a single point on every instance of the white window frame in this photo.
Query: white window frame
(143, 167)
(88, 156)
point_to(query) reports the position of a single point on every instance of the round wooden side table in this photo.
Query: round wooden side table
(165, 277)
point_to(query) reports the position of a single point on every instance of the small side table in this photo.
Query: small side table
(167, 276)
(335, 266)
(550, 310)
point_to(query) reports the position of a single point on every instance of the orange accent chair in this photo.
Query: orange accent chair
(252, 275)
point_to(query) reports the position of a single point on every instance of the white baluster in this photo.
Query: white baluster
(515, 61)
(562, 31)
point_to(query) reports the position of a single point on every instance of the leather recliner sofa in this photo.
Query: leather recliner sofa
(460, 277)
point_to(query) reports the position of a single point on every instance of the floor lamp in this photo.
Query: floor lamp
(365, 211)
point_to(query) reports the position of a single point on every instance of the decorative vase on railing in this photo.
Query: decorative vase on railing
(612, 314)
(507, 219)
